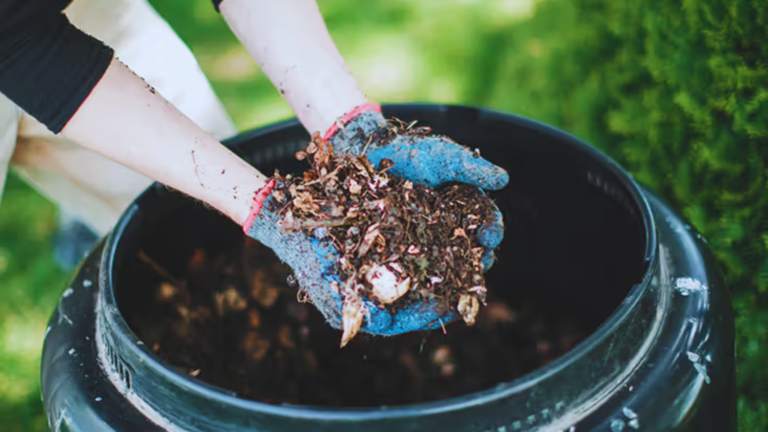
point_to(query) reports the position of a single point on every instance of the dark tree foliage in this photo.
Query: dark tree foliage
(677, 92)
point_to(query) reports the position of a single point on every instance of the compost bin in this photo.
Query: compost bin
(608, 315)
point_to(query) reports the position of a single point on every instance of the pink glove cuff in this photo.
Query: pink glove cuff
(346, 118)
(258, 202)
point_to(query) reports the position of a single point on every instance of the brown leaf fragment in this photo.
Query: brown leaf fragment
(284, 337)
(498, 313)
(262, 289)
(443, 358)
(229, 300)
(305, 202)
(167, 292)
(361, 166)
(198, 261)
(254, 345)
(370, 236)
(458, 232)
(254, 319)
(385, 164)
(287, 223)
(312, 147)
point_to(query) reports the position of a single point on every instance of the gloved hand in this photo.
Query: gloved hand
(431, 161)
(313, 260)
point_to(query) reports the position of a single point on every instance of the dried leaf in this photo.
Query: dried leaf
(255, 346)
(167, 291)
(262, 289)
(284, 337)
(198, 261)
(305, 202)
(370, 235)
(312, 147)
(352, 212)
(361, 166)
(458, 232)
(234, 300)
(385, 164)
(254, 319)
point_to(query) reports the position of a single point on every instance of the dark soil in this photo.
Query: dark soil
(233, 321)
(399, 242)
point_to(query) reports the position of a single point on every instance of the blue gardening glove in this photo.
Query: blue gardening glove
(314, 261)
(431, 161)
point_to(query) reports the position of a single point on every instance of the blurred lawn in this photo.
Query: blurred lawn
(400, 50)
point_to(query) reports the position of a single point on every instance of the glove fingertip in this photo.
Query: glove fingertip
(490, 235)
(493, 178)
(488, 259)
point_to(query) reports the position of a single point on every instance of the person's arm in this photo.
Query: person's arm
(71, 83)
(126, 120)
(291, 44)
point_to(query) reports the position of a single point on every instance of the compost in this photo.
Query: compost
(235, 319)
(398, 242)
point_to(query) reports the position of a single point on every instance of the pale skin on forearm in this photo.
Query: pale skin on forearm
(127, 121)
(291, 44)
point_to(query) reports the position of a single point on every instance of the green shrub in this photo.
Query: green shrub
(677, 92)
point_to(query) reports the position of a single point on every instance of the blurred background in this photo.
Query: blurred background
(675, 90)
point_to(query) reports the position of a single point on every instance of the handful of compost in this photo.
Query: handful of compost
(392, 244)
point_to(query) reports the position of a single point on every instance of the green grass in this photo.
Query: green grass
(489, 52)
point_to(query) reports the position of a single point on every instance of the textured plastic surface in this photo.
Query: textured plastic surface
(662, 360)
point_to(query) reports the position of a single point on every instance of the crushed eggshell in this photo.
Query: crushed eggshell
(386, 287)
(352, 313)
(468, 307)
(354, 187)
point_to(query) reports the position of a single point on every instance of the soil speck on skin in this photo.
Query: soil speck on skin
(197, 169)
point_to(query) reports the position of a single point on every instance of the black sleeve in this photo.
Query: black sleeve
(47, 66)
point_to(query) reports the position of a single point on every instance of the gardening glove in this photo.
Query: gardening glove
(314, 261)
(431, 161)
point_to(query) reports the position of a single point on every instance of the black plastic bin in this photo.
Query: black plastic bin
(581, 236)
